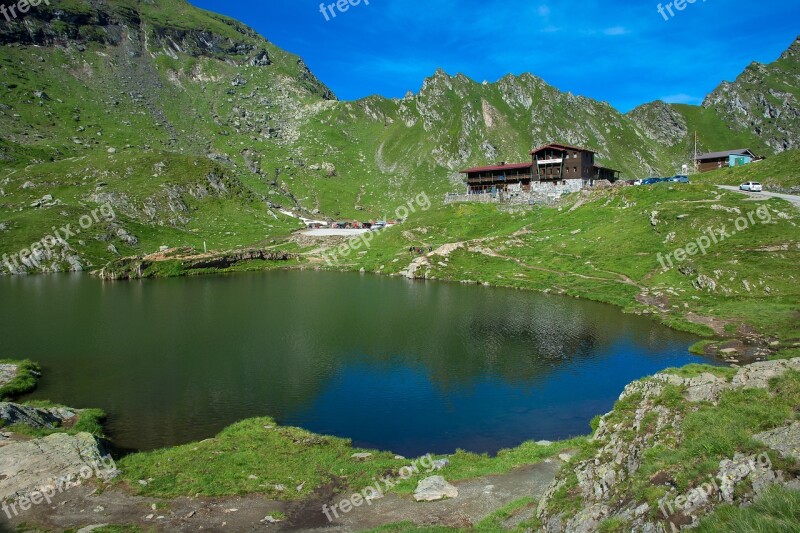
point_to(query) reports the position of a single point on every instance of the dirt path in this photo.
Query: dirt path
(476, 499)
(86, 506)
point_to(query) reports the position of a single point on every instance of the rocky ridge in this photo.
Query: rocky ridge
(598, 486)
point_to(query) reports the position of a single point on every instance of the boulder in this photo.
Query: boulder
(440, 464)
(757, 375)
(784, 440)
(57, 460)
(703, 388)
(35, 417)
(361, 456)
(7, 374)
(433, 489)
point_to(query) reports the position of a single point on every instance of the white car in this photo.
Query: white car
(752, 186)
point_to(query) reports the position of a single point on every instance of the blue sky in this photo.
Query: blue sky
(624, 53)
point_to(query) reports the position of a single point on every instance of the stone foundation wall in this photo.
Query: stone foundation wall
(540, 193)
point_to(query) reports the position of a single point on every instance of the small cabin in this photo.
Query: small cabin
(725, 159)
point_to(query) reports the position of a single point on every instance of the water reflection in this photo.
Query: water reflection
(412, 367)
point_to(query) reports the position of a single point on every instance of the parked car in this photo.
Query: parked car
(679, 179)
(651, 181)
(751, 186)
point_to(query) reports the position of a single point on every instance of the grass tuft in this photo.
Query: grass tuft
(25, 381)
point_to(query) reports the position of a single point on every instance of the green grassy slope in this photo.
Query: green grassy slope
(163, 80)
(606, 246)
(763, 99)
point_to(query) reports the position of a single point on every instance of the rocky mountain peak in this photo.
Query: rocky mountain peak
(794, 50)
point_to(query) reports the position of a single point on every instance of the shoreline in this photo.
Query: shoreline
(714, 339)
(464, 469)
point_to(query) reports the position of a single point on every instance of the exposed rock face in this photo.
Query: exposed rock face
(40, 464)
(59, 256)
(35, 417)
(764, 99)
(7, 374)
(136, 267)
(621, 444)
(660, 122)
(757, 375)
(785, 440)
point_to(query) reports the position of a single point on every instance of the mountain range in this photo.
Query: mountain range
(200, 132)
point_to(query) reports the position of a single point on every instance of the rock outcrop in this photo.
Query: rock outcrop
(597, 483)
(764, 99)
(137, 267)
(51, 464)
(36, 417)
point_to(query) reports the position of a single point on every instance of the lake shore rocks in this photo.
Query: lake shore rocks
(7, 373)
(137, 267)
(623, 439)
(55, 462)
(36, 417)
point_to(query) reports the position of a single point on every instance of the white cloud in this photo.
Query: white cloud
(616, 30)
(682, 99)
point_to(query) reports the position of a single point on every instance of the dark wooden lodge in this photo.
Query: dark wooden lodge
(553, 163)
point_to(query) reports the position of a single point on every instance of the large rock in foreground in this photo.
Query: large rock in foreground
(52, 463)
(433, 489)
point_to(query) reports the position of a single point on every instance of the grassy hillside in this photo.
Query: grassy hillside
(114, 88)
(714, 132)
(777, 173)
(763, 99)
(605, 246)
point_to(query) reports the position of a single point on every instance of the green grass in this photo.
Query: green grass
(699, 348)
(708, 434)
(223, 465)
(25, 381)
(613, 525)
(715, 134)
(579, 250)
(695, 370)
(776, 511)
(89, 421)
(713, 433)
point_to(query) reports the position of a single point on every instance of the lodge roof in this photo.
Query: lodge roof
(725, 153)
(598, 167)
(495, 168)
(560, 146)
